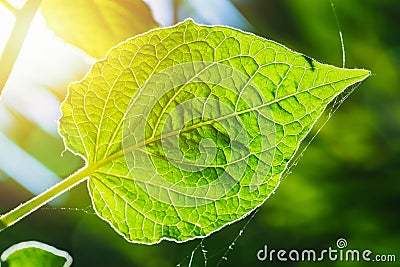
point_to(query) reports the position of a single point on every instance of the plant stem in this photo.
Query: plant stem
(24, 17)
(7, 5)
(35, 203)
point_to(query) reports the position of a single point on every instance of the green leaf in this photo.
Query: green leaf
(189, 128)
(34, 254)
(95, 26)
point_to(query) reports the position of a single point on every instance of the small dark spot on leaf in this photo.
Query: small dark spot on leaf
(310, 61)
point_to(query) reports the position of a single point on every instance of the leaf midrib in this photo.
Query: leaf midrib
(138, 93)
(96, 165)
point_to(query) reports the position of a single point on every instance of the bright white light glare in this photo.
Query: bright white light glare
(7, 20)
(44, 61)
(17, 3)
(47, 59)
(25, 169)
(39, 105)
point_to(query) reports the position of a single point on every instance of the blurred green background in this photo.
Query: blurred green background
(346, 185)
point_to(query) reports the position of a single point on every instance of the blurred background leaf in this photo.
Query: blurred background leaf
(34, 254)
(346, 184)
(96, 26)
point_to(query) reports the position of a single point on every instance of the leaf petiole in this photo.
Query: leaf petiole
(35, 203)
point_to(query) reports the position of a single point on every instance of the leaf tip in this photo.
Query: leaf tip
(366, 73)
(358, 75)
(363, 74)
